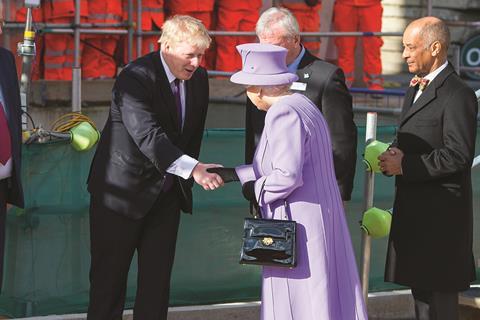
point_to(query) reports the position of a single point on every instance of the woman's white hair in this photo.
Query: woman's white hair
(275, 91)
(277, 17)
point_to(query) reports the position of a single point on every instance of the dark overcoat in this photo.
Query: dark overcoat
(430, 245)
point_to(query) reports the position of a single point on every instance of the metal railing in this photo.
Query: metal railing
(77, 28)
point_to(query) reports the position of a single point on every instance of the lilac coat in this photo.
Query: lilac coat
(294, 161)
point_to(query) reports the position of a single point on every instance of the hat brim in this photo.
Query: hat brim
(251, 79)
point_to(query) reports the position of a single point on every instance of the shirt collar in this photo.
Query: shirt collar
(292, 67)
(169, 73)
(435, 73)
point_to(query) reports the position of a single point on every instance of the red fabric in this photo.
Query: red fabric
(96, 64)
(153, 14)
(299, 5)
(152, 19)
(5, 139)
(248, 5)
(308, 21)
(358, 3)
(58, 55)
(54, 9)
(189, 5)
(111, 10)
(149, 44)
(350, 18)
(37, 14)
(228, 58)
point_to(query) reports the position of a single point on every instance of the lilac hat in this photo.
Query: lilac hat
(263, 65)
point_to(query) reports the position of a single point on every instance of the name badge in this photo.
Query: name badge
(298, 86)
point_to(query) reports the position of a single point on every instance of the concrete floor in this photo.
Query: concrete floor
(395, 305)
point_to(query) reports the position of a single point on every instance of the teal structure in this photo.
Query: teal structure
(47, 251)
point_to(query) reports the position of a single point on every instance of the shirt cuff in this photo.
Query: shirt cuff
(183, 166)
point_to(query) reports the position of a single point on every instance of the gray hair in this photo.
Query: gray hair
(435, 31)
(277, 16)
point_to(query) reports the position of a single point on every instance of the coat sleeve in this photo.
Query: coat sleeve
(337, 110)
(133, 94)
(459, 131)
(286, 137)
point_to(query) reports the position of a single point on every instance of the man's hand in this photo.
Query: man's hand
(391, 162)
(209, 181)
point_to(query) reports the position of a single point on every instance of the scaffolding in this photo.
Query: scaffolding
(133, 31)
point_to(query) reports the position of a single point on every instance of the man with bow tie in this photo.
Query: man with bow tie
(430, 245)
(10, 139)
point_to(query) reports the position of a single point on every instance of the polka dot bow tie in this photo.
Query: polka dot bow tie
(422, 82)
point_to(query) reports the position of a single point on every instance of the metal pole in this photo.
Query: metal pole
(266, 4)
(429, 7)
(326, 14)
(139, 28)
(456, 58)
(6, 35)
(76, 70)
(26, 49)
(370, 134)
(130, 31)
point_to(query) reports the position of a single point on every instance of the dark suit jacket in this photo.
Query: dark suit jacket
(11, 95)
(431, 236)
(141, 138)
(326, 88)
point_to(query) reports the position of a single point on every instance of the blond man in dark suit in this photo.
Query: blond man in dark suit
(143, 171)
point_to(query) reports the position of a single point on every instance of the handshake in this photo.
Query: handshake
(213, 176)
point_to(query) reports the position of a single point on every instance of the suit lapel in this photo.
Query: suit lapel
(306, 60)
(426, 97)
(165, 91)
(407, 101)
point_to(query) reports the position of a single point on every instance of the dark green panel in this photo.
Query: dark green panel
(47, 254)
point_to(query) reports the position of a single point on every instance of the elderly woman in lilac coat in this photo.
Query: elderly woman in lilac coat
(294, 162)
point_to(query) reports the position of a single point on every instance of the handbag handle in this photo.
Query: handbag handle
(255, 209)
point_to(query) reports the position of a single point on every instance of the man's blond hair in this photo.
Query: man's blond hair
(187, 29)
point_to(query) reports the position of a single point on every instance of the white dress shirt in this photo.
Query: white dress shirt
(184, 165)
(430, 77)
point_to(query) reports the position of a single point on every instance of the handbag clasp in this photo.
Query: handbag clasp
(267, 241)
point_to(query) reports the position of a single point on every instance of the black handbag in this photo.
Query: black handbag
(269, 242)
